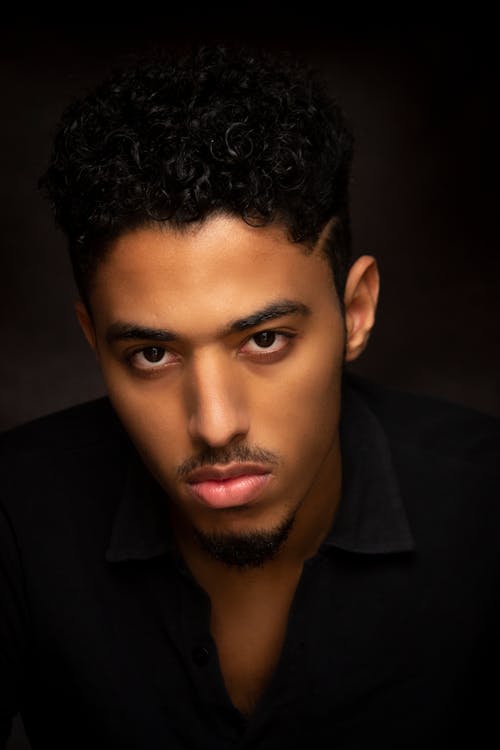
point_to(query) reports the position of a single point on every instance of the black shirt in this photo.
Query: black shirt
(392, 638)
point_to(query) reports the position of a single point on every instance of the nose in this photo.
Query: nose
(216, 402)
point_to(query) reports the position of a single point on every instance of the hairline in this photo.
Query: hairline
(84, 280)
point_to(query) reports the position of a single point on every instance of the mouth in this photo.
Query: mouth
(228, 487)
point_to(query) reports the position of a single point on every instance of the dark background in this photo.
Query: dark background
(422, 96)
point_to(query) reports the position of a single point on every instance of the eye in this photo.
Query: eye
(267, 343)
(150, 358)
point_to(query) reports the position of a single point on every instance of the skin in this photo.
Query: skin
(214, 391)
(219, 390)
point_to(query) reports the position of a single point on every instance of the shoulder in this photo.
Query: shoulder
(63, 431)
(62, 477)
(430, 426)
(74, 454)
(446, 462)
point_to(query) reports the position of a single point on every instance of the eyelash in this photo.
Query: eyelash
(271, 356)
(265, 356)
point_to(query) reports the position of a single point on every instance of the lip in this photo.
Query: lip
(228, 486)
(220, 473)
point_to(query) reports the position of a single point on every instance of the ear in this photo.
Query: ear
(86, 324)
(360, 300)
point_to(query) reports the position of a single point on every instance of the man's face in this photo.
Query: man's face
(222, 347)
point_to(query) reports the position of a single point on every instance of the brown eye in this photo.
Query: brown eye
(267, 346)
(153, 354)
(265, 339)
(151, 358)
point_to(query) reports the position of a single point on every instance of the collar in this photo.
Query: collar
(370, 519)
(141, 526)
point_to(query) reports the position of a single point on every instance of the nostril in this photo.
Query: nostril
(216, 426)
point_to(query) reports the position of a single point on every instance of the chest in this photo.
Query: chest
(249, 649)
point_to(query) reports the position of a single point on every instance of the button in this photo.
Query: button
(200, 655)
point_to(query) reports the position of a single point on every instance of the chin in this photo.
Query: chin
(246, 548)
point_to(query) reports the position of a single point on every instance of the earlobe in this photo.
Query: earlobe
(360, 299)
(86, 324)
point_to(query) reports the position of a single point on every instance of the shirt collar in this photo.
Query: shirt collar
(370, 519)
(141, 526)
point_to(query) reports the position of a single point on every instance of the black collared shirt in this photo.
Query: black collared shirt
(392, 633)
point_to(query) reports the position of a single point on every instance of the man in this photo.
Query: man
(244, 545)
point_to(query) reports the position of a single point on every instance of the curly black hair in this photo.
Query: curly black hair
(215, 130)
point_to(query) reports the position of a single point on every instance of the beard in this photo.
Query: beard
(251, 549)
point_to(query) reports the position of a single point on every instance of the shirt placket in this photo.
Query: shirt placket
(202, 662)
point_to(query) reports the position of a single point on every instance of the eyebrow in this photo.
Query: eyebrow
(122, 330)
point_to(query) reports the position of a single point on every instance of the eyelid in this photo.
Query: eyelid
(263, 354)
(267, 352)
(154, 367)
(277, 331)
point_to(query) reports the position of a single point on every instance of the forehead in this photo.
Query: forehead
(215, 270)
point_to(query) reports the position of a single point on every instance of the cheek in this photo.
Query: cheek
(293, 409)
(151, 414)
(302, 406)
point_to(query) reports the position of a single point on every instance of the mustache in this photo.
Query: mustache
(224, 456)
